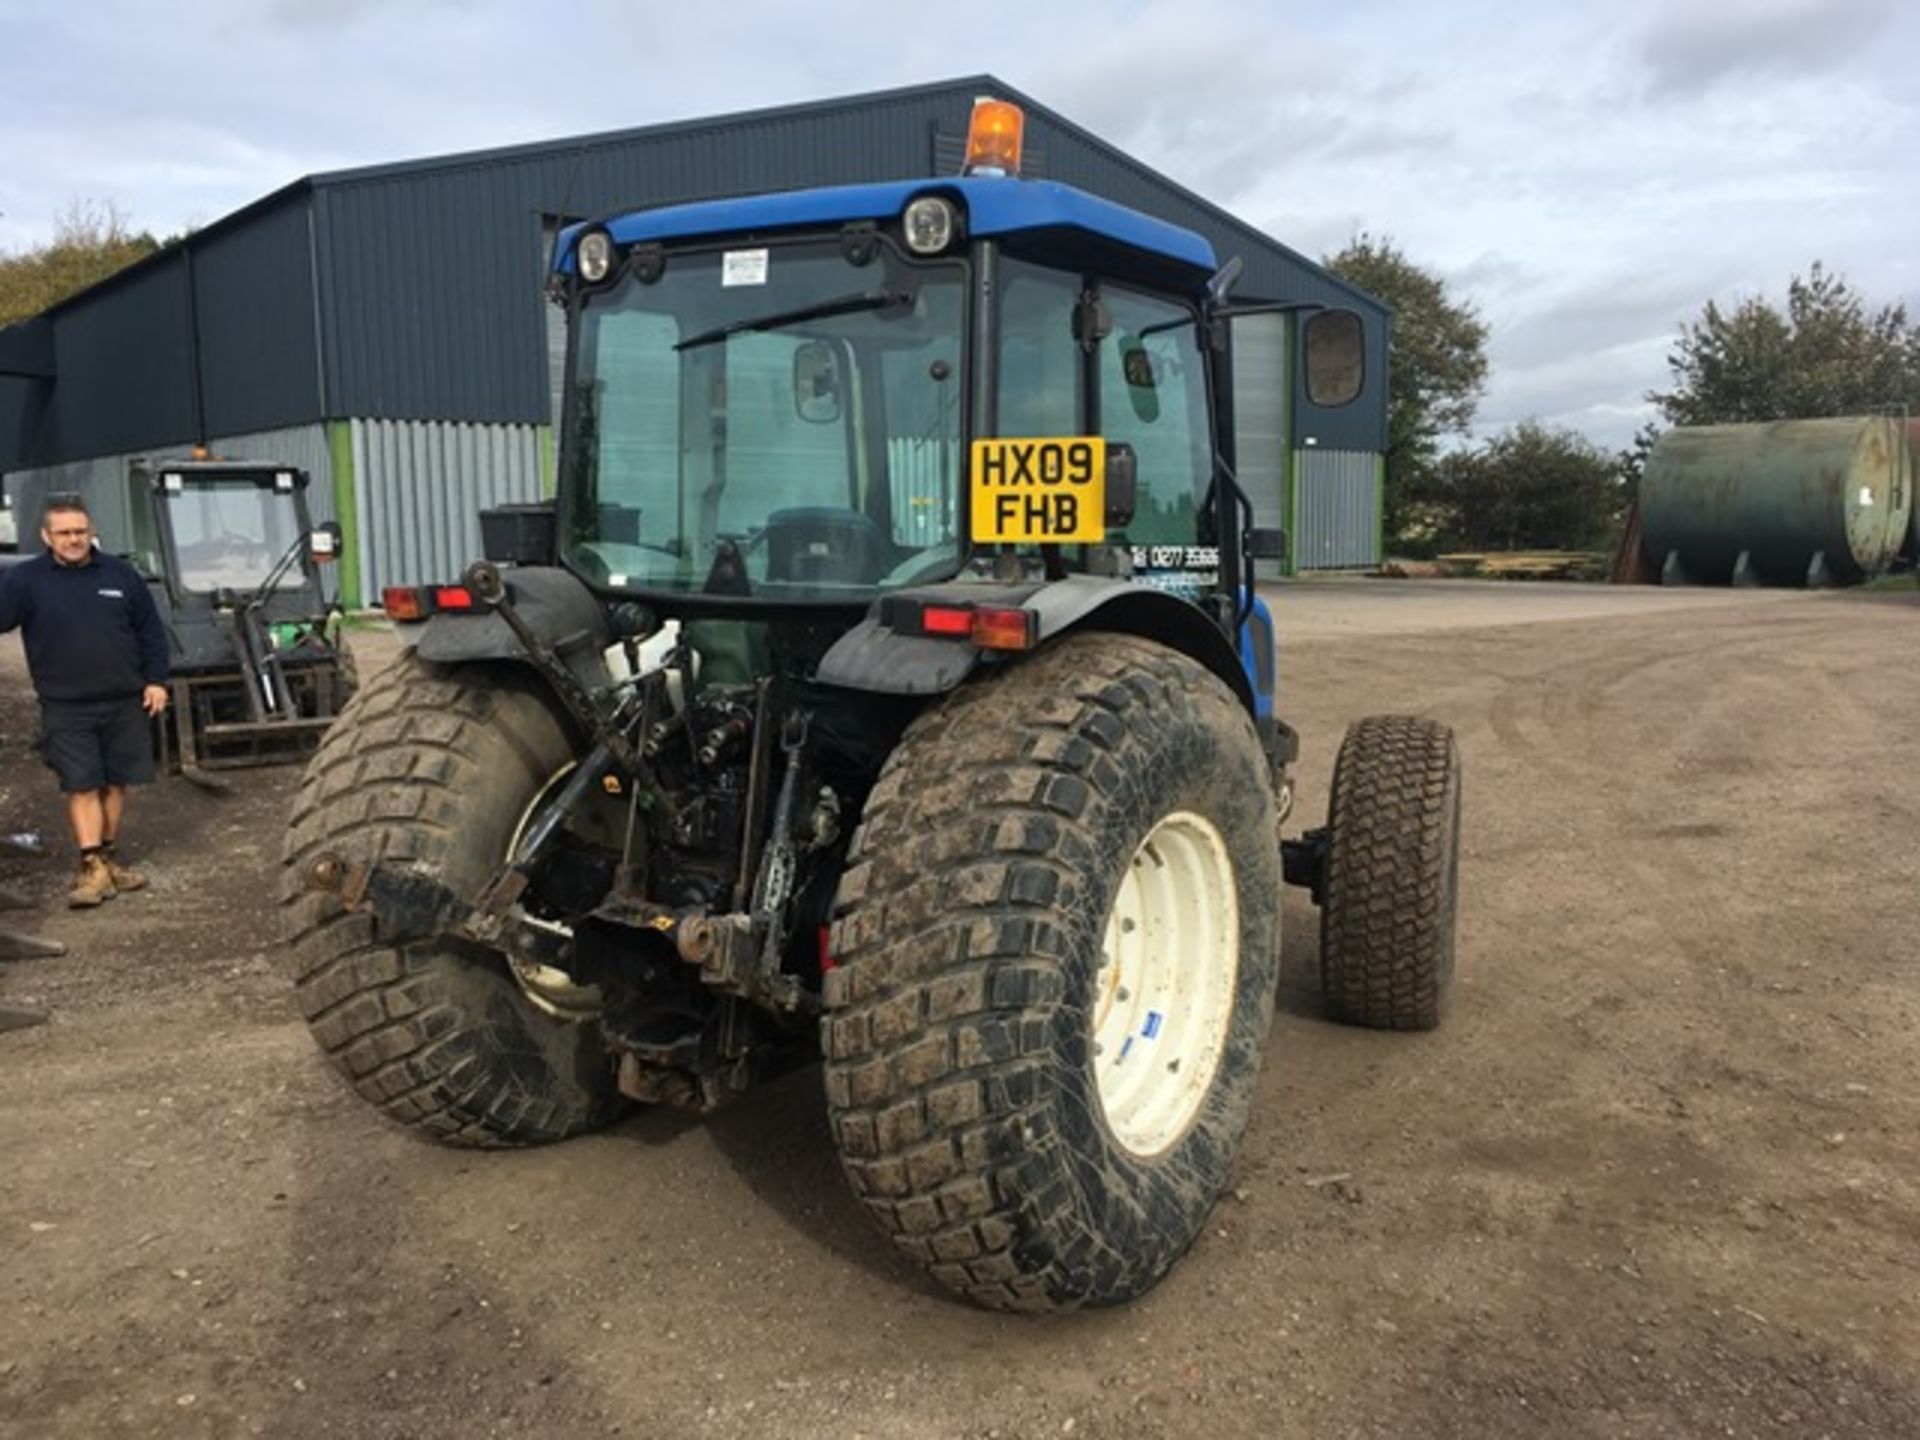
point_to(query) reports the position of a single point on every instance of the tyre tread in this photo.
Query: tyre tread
(966, 864)
(1387, 921)
(384, 785)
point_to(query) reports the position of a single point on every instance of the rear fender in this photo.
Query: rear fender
(1093, 602)
(556, 605)
(871, 657)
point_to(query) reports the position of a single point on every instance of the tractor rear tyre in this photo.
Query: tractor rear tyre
(1056, 946)
(436, 767)
(346, 675)
(1393, 874)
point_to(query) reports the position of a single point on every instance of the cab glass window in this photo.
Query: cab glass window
(785, 428)
(1153, 396)
(1039, 382)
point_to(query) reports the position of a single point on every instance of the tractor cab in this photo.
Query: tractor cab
(845, 403)
(238, 570)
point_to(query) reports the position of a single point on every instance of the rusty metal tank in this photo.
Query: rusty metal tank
(1791, 502)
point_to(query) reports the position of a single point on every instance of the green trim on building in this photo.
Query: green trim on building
(340, 454)
(547, 463)
(1379, 509)
(1289, 479)
(1290, 508)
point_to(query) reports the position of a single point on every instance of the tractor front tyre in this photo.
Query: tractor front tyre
(1393, 874)
(436, 768)
(1055, 957)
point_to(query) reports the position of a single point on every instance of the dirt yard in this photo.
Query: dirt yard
(1659, 1174)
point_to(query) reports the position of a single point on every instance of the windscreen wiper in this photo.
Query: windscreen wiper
(823, 310)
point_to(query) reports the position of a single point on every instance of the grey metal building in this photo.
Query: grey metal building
(384, 328)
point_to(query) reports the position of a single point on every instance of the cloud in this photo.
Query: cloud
(1543, 159)
(1692, 47)
(1601, 393)
(1602, 315)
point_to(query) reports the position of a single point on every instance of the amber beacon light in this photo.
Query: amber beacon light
(993, 138)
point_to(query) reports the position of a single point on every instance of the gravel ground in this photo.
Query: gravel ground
(1659, 1173)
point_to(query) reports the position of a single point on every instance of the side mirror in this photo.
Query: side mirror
(1123, 484)
(1143, 382)
(323, 543)
(816, 383)
(1336, 357)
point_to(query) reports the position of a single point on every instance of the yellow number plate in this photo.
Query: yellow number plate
(1040, 491)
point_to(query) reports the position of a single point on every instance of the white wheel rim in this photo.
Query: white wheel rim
(1163, 1000)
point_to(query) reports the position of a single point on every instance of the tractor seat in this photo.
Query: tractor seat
(820, 545)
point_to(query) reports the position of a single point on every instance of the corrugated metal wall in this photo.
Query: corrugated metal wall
(122, 375)
(1338, 510)
(419, 488)
(123, 351)
(259, 345)
(104, 484)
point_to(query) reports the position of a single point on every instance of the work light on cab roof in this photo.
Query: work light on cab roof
(596, 256)
(930, 223)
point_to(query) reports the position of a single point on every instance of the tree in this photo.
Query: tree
(90, 242)
(1436, 365)
(1823, 354)
(1532, 487)
(1632, 461)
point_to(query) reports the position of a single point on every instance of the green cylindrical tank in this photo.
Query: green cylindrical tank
(1912, 551)
(1793, 502)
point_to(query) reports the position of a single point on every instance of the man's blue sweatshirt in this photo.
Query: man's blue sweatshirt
(92, 630)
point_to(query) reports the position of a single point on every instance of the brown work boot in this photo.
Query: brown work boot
(123, 878)
(93, 884)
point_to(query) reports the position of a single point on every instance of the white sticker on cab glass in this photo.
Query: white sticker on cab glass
(1866, 495)
(744, 267)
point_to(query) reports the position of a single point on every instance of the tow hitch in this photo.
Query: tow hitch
(411, 905)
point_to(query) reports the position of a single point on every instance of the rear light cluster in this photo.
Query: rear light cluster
(417, 602)
(991, 627)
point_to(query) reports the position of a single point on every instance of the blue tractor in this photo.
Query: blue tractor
(885, 686)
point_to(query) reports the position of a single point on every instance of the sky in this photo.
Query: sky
(1586, 176)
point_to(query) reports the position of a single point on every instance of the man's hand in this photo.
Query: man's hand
(154, 698)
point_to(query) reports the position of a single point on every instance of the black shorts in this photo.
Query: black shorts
(94, 743)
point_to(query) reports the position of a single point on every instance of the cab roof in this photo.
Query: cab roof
(1058, 220)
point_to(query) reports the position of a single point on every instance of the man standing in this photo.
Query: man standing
(98, 655)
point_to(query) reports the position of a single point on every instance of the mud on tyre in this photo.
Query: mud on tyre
(1005, 942)
(435, 768)
(1393, 874)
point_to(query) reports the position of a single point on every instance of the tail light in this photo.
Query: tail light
(991, 627)
(408, 603)
(405, 602)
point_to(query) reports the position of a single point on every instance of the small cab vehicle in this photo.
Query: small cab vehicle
(832, 712)
(238, 570)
